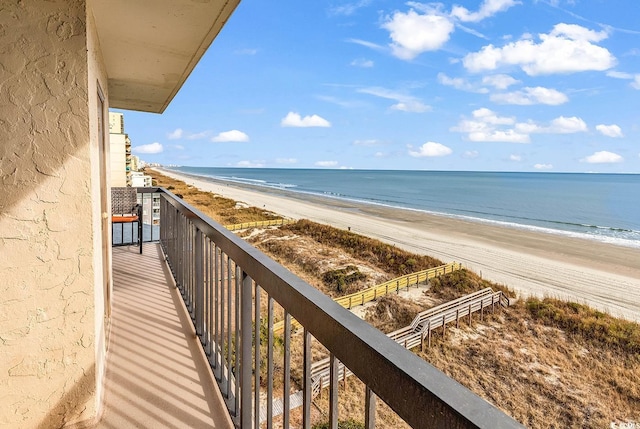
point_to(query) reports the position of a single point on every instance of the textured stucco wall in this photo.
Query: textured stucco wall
(48, 206)
(97, 77)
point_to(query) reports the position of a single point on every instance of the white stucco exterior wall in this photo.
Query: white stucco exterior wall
(51, 295)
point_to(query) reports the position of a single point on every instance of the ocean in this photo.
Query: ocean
(602, 207)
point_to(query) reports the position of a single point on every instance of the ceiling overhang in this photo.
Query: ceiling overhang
(150, 47)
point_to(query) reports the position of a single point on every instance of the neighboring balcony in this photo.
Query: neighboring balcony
(221, 331)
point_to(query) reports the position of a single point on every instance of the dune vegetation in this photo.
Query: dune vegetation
(546, 362)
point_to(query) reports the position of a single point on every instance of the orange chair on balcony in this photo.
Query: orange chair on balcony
(126, 210)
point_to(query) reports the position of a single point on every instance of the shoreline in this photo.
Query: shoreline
(602, 275)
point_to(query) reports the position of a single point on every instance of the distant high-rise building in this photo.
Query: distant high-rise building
(121, 163)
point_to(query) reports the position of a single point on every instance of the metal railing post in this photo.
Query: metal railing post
(198, 301)
(246, 335)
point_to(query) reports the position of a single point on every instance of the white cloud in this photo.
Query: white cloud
(528, 96)
(460, 83)
(367, 44)
(231, 136)
(178, 146)
(499, 81)
(198, 136)
(347, 104)
(405, 102)
(326, 163)
(362, 62)
(515, 158)
(413, 33)
(381, 154)
(488, 116)
(567, 48)
(562, 125)
(501, 136)
(610, 130)
(348, 8)
(175, 135)
(251, 164)
(286, 161)
(634, 78)
(411, 106)
(150, 148)
(430, 149)
(484, 128)
(487, 126)
(295, 120)
(543, 166)
(603, 157)
(487, 8)
(471, 154)
(619, 75)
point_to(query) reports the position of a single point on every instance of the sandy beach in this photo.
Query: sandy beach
(604, 276)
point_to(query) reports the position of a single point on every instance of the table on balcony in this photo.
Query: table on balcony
(157, 375)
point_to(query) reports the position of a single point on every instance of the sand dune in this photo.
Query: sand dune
(602, 275)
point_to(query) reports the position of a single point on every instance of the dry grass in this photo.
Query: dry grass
(547, 363)
(392, 260)
(223, 210)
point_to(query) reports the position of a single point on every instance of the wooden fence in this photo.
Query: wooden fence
(375, 292)
(258, 224)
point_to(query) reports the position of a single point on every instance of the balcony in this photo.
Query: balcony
(198, 330)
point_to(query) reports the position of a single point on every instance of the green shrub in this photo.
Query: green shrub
(341, 279)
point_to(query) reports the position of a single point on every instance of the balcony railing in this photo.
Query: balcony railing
(127, 233)
(230, 289)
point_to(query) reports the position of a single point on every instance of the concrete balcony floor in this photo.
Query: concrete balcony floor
(157, 375)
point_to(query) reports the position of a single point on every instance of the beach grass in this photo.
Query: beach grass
(223, 210)
(583, 321)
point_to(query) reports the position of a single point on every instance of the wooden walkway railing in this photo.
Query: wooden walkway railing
(375, 292)
(421, 327)
(258, 224)
(409, 337)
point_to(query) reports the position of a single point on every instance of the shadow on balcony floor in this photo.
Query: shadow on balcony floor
(157, 376)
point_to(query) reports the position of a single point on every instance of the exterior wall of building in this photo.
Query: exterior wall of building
(118, 159)
(140, 180)
(116, 123)
(121, 162)
(51, 258)
(101, 207)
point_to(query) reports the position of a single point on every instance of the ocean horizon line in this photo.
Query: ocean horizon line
(586, 228)
(631, 173)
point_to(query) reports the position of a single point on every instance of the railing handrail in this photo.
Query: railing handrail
(389, 370)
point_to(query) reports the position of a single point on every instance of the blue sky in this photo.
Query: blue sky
(493, 85)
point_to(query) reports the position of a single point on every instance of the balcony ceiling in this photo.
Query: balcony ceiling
(150, 47)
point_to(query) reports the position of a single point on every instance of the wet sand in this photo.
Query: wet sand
(602, 275)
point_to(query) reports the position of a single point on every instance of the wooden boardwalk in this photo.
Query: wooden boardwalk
(409, 337)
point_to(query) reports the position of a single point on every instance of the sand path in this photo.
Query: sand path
(602, 275)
